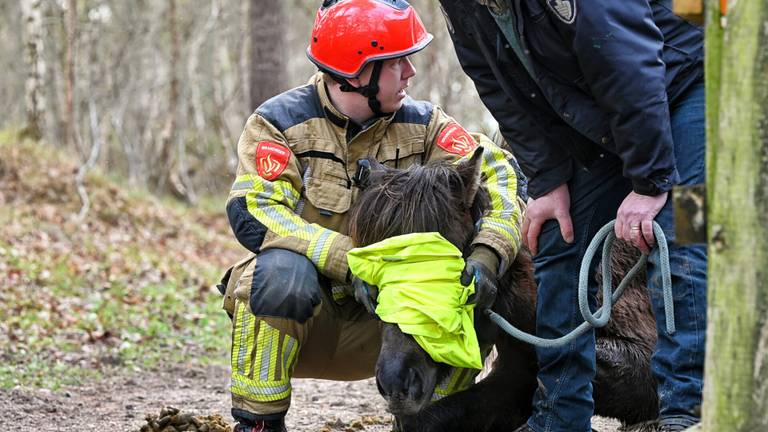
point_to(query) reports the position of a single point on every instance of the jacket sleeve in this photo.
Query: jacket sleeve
(619, 49)
(265, 202)
(499, 227)
(544, 161)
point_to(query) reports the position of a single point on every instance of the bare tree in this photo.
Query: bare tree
(267, 29)
(169, 92)
(166, 168)
(69, 87)
(35, 100)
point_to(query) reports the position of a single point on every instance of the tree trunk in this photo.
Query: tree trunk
(35, 101)
(69, 86)
(163, 166)
(268, 49)
(736, 381)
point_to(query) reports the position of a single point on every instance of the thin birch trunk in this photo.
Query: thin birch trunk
(33, 50)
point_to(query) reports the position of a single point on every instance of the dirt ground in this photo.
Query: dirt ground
(120, 403)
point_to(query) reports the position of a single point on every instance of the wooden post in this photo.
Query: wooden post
(736, 369)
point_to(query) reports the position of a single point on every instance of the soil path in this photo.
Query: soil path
(120, 403)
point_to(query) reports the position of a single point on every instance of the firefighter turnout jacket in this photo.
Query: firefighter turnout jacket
(297, 158)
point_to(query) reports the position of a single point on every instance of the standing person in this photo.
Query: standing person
(602, 103)
(295, 182)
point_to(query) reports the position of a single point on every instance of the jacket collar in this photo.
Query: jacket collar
(335, 116)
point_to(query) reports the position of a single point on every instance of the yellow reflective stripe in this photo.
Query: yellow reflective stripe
(258, 391)
(271, 370)
(247, 182)
(457, 380)
(272, 193)
(270, 208)
(503, 226)
(444, 389)
(339, 291)
(263, 348)
(262, 387)
(236, 344)
(291, 351)
(273, 204)
(501, 184)
(320, 246)
(501, 180)
(242, 340)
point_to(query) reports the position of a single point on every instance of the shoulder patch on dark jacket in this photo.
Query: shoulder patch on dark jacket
(292, 107)
(413, 111)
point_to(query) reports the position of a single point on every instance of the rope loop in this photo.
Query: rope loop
(600, 318)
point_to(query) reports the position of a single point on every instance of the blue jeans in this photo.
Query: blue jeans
(563, 401)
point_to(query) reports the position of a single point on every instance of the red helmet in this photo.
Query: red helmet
(349, 34)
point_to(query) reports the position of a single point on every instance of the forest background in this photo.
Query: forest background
(117, 150)
(157, 91)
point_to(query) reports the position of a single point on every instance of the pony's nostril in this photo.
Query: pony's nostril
(397, 380)
(413, 384)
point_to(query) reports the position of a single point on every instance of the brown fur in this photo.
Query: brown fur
(446, 198)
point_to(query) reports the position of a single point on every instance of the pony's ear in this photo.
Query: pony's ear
(369, 171)
(471, 174)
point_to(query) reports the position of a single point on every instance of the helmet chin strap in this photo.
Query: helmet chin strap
(369, 90)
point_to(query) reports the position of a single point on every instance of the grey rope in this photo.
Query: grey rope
(603, 314)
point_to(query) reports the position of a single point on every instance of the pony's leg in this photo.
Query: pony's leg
(483, 407)
(624, 387)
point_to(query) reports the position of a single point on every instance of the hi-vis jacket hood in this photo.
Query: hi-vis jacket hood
(297, 160)
(419, 290)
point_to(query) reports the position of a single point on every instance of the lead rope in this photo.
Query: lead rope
(603, 314)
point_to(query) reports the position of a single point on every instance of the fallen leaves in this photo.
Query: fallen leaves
(124, 285)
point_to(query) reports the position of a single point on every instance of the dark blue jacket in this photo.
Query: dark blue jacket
(569, 80)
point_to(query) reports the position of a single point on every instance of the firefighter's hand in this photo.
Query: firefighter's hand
(365, 294)
(482, 266)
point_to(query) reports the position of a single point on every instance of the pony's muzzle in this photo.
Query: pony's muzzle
(402, 386)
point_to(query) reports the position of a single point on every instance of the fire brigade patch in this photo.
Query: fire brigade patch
(454, 139)
(271, 159)
(565, 10)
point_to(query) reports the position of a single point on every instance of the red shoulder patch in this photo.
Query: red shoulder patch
(271, 159)
(454, 139)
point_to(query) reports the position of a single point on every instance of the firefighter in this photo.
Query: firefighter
(294, 312)
(603, 105)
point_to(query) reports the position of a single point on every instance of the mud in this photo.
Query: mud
(123, 402)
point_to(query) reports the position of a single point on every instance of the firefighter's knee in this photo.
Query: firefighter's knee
(285, 285)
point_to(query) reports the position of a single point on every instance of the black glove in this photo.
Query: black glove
(481, 265)
(365, 294)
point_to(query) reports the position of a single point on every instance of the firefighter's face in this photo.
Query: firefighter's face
(393, 80)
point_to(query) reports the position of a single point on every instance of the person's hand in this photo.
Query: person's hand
(553, 205)
(634, 220)
(481, 265)
(365, 294)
